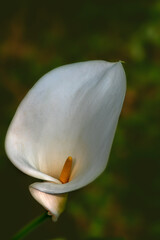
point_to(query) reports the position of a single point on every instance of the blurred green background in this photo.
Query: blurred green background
(37, 36)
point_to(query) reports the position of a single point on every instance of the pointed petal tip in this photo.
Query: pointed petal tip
(116, 76)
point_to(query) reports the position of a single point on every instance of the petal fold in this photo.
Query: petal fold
(54, 204)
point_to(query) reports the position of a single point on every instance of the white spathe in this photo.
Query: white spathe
(71, 111)
(53, 203)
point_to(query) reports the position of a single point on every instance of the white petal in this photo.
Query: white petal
(53, 203)
(71, 111)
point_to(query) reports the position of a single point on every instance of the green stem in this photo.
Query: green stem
(30, 226)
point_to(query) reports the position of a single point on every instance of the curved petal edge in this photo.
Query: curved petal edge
(54, 204)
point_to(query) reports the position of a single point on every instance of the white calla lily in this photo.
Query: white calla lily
(71, 111)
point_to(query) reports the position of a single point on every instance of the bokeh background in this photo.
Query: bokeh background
(37, 36)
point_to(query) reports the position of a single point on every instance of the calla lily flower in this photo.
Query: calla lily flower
(70, 113)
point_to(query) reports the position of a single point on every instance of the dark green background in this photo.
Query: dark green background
(37, 36)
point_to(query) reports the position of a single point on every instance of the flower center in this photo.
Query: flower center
(66, 171)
